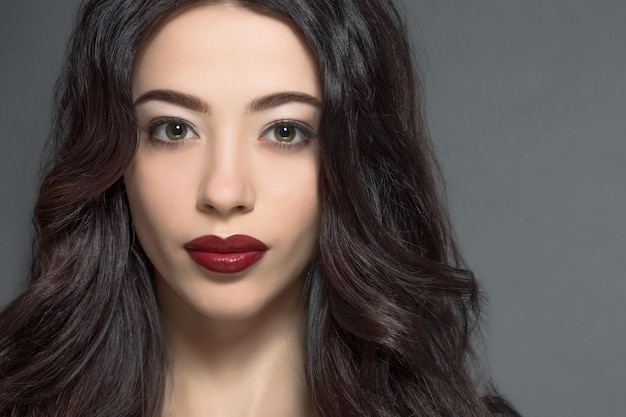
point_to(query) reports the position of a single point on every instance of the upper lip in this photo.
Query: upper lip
(231, 244)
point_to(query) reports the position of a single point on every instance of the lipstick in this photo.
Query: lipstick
(234, 254)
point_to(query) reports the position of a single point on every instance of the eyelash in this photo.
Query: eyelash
(307, 134)
(156, 124)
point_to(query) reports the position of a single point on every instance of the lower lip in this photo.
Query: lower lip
(226, 263)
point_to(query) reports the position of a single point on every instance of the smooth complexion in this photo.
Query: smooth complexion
(227, 101)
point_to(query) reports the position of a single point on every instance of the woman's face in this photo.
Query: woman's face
(228, 111)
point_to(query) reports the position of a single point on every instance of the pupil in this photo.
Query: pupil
(284, 132)
(177, 130)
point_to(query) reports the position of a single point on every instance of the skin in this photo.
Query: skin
(234, 340)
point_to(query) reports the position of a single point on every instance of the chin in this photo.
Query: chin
(240, 300)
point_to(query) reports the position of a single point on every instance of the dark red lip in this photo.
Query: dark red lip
(226, 256)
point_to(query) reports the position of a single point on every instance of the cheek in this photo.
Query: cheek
(292, 177)
(294, 200)
(154, 200)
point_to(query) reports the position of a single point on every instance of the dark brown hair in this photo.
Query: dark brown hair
(390, 308)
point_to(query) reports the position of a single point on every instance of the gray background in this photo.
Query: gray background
(526, 102)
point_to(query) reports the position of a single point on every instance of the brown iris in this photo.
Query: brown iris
(284, 133)
(175, 131)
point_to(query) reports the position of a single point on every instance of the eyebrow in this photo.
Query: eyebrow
(173, 97)
(196, 104)
(275, 100)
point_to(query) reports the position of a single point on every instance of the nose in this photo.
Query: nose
(227, 185)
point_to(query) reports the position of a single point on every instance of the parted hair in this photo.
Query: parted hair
(391, 310)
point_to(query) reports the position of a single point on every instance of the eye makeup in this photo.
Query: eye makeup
(288, 134)
(284, 134)
(170, 131)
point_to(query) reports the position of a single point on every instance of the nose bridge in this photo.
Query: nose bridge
(226, 186)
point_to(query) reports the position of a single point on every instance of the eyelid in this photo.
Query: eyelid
(307, 131)
(156, 123)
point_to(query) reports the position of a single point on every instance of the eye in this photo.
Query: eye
(170, 130)
(288, 133)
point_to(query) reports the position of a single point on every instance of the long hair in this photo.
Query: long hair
(390, 308)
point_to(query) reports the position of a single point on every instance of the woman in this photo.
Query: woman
(241, 217)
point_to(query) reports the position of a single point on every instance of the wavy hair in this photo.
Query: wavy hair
(390, 309)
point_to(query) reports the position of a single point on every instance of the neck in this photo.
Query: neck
(241, 367)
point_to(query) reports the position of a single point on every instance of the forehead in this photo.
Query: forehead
(214, 44)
